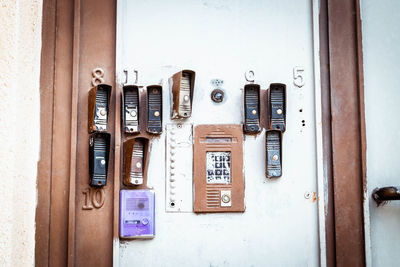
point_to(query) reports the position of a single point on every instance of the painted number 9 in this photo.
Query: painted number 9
(298, 76)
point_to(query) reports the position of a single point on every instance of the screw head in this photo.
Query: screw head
(133, 113)
(254, 112)
(103, 112)
(156, 113)
(275, 157)
(103, 162)
(226, 198)
(279, 111)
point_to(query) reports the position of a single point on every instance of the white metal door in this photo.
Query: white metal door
(222, 40)
(381, 54)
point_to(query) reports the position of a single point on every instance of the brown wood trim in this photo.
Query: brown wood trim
(360, 66)
(347, 122)
(74, 133)
(42, 234)
(61, 135)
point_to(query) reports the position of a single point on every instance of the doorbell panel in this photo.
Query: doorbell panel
(179, 168)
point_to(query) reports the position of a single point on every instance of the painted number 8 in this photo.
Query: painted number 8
(97, 74)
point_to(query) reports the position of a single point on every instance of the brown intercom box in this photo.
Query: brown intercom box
(182, 94)
(136, 160)
(218, 168)
(99, 105)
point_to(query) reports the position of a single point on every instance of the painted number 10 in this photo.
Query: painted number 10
(94, 197)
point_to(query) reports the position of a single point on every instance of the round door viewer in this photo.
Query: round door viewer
(217, 95)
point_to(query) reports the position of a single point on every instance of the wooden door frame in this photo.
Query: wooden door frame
(342, 116)
(76, 35)
(344, 130)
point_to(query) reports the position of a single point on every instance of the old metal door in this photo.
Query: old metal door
(223, 40)
(381, 58)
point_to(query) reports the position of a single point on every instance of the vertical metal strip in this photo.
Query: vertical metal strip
(318, 132)
(326, 133)
(347, 141)
(74, 121)
(44, 177)
(117, 151)
(367, 235)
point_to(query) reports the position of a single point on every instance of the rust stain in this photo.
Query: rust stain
(314, 197)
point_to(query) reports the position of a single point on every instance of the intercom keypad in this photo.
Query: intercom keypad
(218, 168)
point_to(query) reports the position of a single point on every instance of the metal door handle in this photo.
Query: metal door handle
(384, 194)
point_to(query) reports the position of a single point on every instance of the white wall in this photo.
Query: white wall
(20, 46)
(381, 52)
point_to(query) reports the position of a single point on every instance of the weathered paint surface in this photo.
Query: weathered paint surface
(20, 44)
(381, 36)
(221, 40)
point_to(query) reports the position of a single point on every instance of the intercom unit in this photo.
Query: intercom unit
(130, 109)
(251, 108)
(136, 154)
(154, 109)
(179, 168)
(136, 214)
(99, 148)
(273, 142)
(277, 106)
(218, 168)
(99, 105)
(182, 94)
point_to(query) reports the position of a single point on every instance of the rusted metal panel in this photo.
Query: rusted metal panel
(347, 141)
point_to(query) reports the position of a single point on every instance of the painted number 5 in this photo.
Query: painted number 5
(298, 78)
